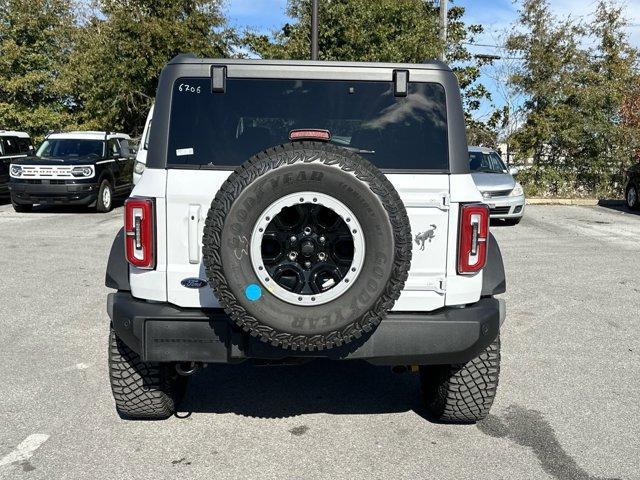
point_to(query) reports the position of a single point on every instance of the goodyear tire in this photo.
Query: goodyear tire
(462, 393)
(333, 264)
(142, 390)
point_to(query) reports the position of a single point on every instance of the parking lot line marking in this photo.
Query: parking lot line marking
(24, 450)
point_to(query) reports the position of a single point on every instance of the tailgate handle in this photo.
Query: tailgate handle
(194, 240)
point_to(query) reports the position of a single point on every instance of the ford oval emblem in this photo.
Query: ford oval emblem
(193, 283)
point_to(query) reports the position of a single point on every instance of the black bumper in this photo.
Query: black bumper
(164, 333)
(54, 194)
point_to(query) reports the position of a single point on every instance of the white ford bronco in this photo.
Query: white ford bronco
(292, 210)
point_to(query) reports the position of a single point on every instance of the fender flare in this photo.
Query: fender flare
(107, 174)
(117, 275)
(493, 277)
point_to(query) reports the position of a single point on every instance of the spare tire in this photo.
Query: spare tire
(307, 246)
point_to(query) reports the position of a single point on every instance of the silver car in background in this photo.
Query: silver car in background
(499, 190)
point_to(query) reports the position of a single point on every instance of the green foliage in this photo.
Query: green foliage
(35, 41)
(121, 49)
(380, 31)
(575, 78)
(481, 134)
(61, 68)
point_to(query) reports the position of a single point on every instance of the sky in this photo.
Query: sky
(494, 15)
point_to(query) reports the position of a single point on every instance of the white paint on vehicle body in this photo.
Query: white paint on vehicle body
(152, 284)
(432, 203)
(187, 190)
(426, 199)
(461, 289)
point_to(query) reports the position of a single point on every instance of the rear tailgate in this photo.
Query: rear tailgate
(188, 198)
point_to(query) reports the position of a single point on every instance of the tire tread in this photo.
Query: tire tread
(289, 154)
(141, 390)
(462, 393)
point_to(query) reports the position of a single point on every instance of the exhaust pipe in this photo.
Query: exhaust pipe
(187, 368)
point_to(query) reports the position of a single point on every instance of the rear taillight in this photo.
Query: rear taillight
(474, 235)
(139, 232)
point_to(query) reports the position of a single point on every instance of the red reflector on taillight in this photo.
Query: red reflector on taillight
(310, 134)
(139, 232)
(474, 235)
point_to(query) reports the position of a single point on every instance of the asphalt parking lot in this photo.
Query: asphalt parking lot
(567, 405)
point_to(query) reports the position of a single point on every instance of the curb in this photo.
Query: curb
(592, 202)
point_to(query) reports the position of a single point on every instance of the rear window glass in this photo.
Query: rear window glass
(225, 129)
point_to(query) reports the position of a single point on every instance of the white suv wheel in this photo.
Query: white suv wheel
(106, 197)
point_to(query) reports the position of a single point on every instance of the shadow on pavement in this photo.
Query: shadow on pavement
(617, 205)
(320, 386)
(528, 428)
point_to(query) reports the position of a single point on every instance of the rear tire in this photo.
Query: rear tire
(21, 207)
(104, 203)
(462, 393)
(631, 197)
(142, 390)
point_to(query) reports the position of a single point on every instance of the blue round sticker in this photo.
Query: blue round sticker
(253, 292)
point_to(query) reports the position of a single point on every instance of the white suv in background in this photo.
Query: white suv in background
(499, 189)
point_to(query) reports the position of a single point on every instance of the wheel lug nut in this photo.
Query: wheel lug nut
(307, 264)
(293, 255)
(321, 239)
(322, 256)
(293, 238)
(307, 230)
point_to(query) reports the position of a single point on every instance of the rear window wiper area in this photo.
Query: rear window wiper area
(359, 150)
(352, 149)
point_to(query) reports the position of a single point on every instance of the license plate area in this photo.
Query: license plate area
(185, 340)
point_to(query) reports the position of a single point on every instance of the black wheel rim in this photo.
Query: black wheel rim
(307, 249)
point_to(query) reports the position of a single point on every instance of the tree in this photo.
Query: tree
(630, 114)
(35, 40)
(549, 78)
(380, 31)
(509, 116)
(122, 48)
(575, 78)
(613, 139)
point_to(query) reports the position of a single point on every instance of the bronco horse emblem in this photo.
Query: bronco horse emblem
(421, 238)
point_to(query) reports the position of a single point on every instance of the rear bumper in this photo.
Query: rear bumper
(165, 333)
(506, 207)
(59, 194)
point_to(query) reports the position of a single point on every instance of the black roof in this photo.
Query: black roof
(189, 58)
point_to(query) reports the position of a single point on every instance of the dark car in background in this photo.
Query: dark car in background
(74, 168)
(632, 190)
(13, 145)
